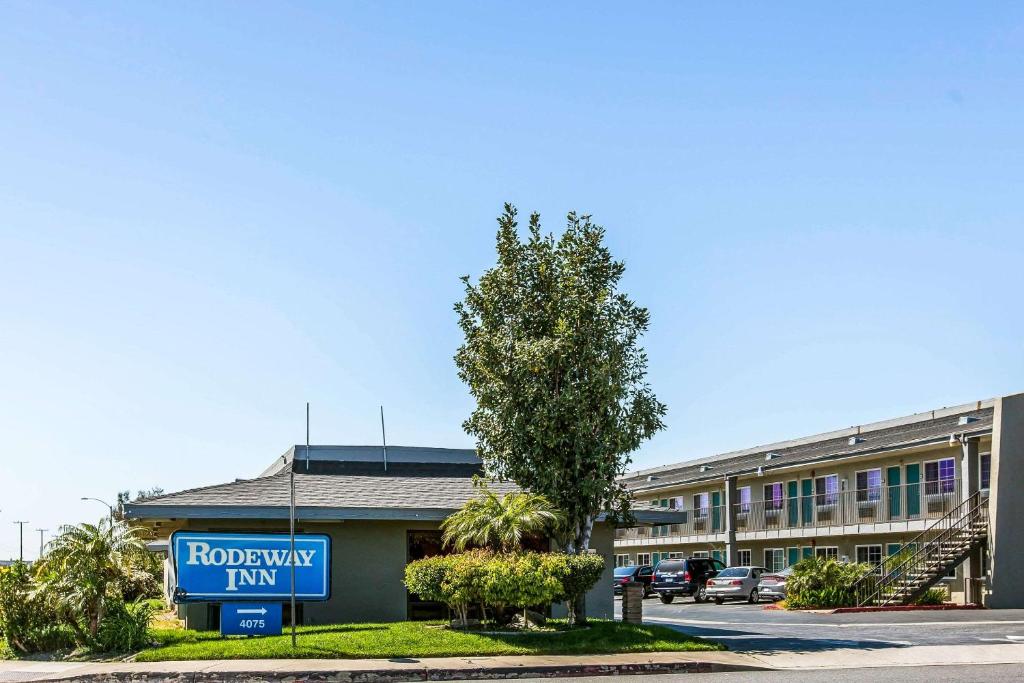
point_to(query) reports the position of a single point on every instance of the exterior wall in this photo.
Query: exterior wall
(861, 523)
(1006, 504)
(368, 561)
(846, 548)
(367, 564)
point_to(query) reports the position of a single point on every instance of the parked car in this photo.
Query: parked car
(773, 585)
(642, 574)
(735, 583)
(684, 578)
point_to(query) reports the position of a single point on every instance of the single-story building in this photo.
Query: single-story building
(380, 512)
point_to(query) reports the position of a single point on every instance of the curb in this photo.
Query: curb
(398, 676)
(887, 608)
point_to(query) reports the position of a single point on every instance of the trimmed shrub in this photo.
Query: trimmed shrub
(518, 580)
(823, 583)
(577, 574)
(502, 580)
(125, 626)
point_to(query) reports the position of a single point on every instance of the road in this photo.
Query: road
(752, 629)
(992, 673)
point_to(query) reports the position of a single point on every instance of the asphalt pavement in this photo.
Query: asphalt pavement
(991, 673)
(752, 629)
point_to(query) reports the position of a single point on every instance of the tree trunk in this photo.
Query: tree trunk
(580, 545)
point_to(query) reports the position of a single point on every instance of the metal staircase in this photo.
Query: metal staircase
(923, 561)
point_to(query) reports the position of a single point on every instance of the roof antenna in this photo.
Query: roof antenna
(307, 436)
(384, 438)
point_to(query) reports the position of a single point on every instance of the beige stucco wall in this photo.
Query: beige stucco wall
(1006, 504)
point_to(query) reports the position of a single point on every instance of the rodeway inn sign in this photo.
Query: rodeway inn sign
(219, 567)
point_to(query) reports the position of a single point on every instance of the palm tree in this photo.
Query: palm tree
(500, 523)
(85, 564)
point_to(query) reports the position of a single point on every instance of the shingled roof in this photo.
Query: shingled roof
(321, 496)
(347, 483)
(919, 429)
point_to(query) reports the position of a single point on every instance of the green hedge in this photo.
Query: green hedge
(823, 583)
(497, 581)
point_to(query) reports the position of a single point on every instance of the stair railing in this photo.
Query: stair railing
(917, 554)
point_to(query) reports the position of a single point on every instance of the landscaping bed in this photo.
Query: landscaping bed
(421, 639)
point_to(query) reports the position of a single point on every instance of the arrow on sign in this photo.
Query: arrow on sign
(262, 611)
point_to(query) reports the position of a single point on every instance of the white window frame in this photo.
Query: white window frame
(881, 555)
(826, 504)
(924, 477)
(675, 556)
(769, 502)
(642, 559)
(623, 561)
(739, 557)
(701, 554)
(980, 456)
(776, 554)
(868, 500)
(702, 511)
(744, 508)
(834, 554)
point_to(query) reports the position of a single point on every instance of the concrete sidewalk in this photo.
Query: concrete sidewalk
(384, 670)
(883, 657)
(464, 668)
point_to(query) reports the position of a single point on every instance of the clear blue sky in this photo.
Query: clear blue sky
(213, 212)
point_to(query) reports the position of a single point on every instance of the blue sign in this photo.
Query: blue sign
(216, 567)
(250, 619)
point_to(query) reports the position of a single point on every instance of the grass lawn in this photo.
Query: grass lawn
(418, 639)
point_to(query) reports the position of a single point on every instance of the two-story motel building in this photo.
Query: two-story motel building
(861, 493)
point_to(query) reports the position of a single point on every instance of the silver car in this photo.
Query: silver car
(773, 584)
(735, 583)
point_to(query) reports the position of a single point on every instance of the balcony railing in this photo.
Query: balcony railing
(709, 520)
(927, 500)
(907, 502)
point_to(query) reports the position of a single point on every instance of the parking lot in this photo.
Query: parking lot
(753, 629)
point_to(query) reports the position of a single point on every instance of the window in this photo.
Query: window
(643, 558)
(701, 553)
(869, 486)
(775, 559)
(700, 505)
(939, 477)
(743, 558)
(985, 465)
(673, 556)
(622, 561)
(827, 489)
(744, 498)
(871, 554)
(827, 552)
(678, 502)
(773, 496)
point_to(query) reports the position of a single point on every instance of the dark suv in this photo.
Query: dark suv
(684, 577)
(642, 574)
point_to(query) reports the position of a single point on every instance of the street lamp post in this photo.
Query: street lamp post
(41, 544)
(110, 508)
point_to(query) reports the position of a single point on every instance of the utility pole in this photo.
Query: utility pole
(41, 544)
(21, 540)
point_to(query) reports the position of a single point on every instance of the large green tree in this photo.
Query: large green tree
(552, 357)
